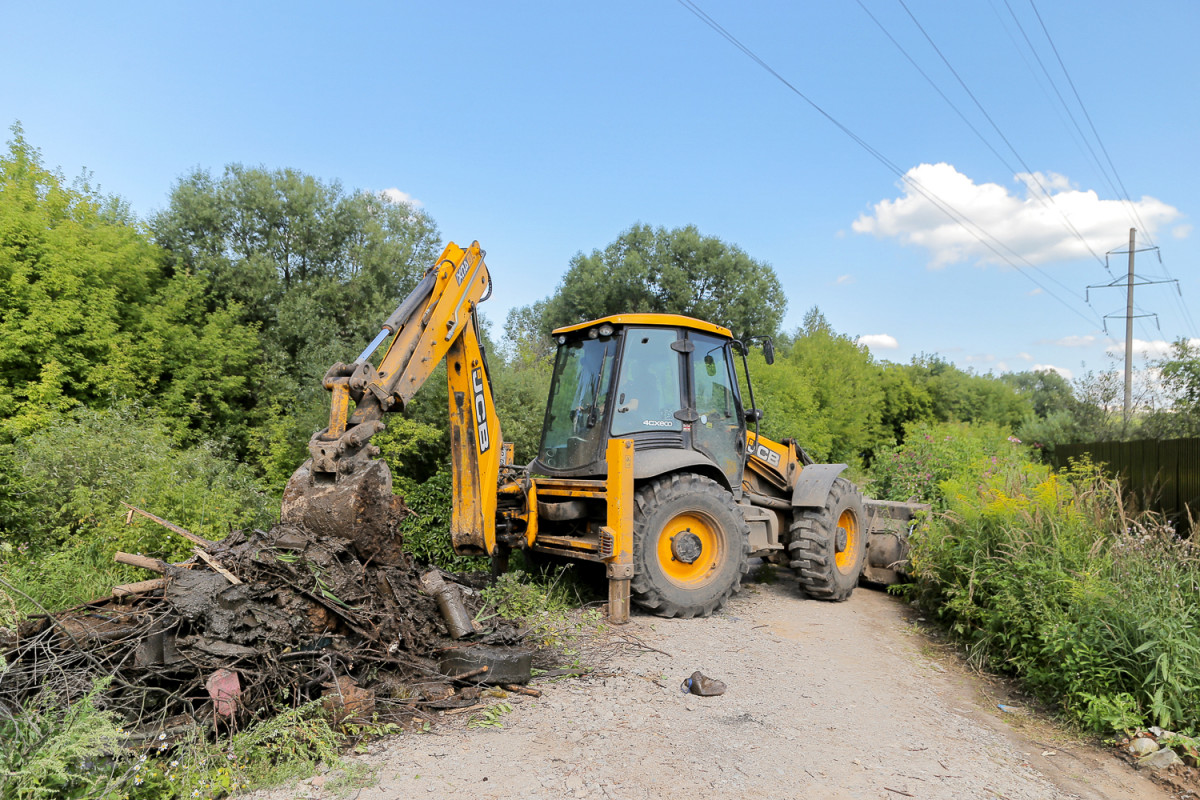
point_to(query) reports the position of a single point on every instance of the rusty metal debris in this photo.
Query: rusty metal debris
(287, 612)
(450, 603)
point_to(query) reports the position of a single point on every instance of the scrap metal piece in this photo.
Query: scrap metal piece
(450, 603)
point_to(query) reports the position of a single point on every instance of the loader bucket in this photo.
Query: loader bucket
(357, 506)
(888, 527)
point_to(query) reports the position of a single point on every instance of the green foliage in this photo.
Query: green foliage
(521, 384)
(427, 530)
(542, 600)
(75, 276)
(1180, 371)
(1044, 576)
(933, 454)
(678, 271)
(64, 519)
(516, 595)
(844, 384)
(77, 751)
(50, 750)
(963, 396)
(904, 402)
(490, 717)
(786, 398)
(301, 274)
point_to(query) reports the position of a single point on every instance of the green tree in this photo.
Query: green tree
(314, 270)
(904, 402)
(75, 278)
(1180, 371)
(1047, 391)
(678, 271)
(845, 385)
(963, 396)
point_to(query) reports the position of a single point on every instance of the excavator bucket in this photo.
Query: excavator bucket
(357, 505)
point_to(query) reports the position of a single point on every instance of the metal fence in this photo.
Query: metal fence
(1159, 475)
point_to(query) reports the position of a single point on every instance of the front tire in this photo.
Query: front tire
(828, 545)
(691, 546)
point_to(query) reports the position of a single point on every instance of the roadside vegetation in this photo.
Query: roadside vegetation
(1049, 577)
(175, 363)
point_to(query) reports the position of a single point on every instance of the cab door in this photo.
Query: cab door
(717, 427)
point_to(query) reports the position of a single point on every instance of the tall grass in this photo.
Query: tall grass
(1049, 577)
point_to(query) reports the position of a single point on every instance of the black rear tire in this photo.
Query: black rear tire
(828, 561)
(691, 546)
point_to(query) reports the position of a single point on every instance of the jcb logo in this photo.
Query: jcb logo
(480, 411)
(767, 455)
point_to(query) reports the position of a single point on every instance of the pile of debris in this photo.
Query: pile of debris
(259, 617)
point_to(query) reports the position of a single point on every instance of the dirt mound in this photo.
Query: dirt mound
(264, 615)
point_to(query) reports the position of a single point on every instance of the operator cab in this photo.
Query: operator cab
(665, 381)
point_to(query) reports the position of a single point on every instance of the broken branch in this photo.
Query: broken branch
(141, 587)
(185, 533)
(472, 674)
(143, 562)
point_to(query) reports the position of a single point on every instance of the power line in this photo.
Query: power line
(1043, 198)
(1048, 199)
(1124, 193)
(965, 222)
(1062, 100)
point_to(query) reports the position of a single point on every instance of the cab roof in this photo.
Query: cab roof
(667, 320)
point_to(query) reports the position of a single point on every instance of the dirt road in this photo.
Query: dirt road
(824, 700)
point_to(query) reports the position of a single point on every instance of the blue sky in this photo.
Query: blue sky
(546, 128)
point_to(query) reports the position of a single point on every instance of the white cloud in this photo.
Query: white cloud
(1025, 356)
(397, 196)
(1075, 341)
(1035, 292)
(1025, 222)
(1155, 349)
(879, 341)
(1181, 231)
(844, 279)
(1066, 373)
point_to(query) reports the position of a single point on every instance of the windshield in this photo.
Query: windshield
(574, 433)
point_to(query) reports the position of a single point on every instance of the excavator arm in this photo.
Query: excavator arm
(342, 487)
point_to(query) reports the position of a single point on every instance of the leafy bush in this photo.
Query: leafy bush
(934, 453)
(78, 751)
(1047, 577)
(76, 472)
(61, 490)
(427, 530)
(50, 751)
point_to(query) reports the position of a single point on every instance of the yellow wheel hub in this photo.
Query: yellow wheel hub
(690, 549)
(846, 558)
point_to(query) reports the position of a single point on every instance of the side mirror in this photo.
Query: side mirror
(710, 365)
(769, 350)
(754, 415)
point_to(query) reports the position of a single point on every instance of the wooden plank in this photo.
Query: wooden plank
(212, 562)
(171, 526)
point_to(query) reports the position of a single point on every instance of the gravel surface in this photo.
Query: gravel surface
(841, 700)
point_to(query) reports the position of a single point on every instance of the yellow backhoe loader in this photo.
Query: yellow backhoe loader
(647, 463)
